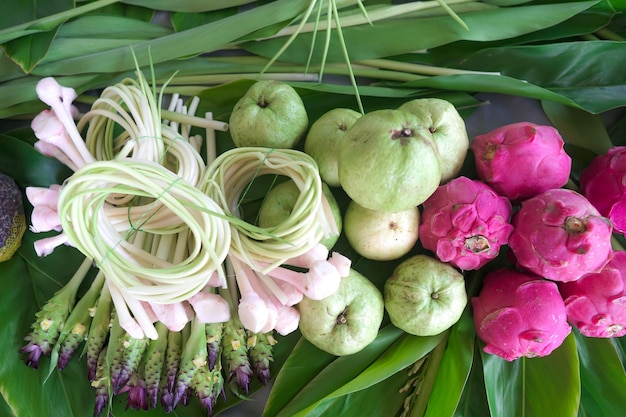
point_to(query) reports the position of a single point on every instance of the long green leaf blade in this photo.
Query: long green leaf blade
(537, 387)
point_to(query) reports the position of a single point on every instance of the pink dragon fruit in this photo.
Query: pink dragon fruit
(603, 182)
(519, 314)
(560, 236)
(465, 222)
(596, 303)
(521, 160)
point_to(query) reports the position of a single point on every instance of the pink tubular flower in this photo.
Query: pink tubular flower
(465, 222)
(519, 314)
(560, 236)
(603, 182)
(596, 303)
(521, 160)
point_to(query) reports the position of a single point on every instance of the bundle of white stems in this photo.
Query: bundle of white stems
(163, 224)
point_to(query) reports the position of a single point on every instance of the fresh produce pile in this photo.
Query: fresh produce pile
(209, 211)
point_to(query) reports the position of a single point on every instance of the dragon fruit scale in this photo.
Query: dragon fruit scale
(465, 223)
(560, 236)
(603, 182)
(519, 314)
(522, 159)
(596, 303)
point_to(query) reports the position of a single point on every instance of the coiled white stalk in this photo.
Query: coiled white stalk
(228, 177)
(103, 231)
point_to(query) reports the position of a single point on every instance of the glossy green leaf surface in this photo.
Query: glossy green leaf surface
(454, 369)
(534, 387)
(602, 376)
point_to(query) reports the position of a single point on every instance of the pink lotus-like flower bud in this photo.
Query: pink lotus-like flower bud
(560, 236)
(521, 160)
(519, 314)
(596, 303)
(465, 222)
(603, 182)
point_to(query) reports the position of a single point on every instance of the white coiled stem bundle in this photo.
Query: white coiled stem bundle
(229, 176)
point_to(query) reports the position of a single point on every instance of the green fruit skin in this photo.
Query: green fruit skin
(271, 114)
(408, 296)
(322, 141)
(363, 306)
(280, 201)
(447, 128)
(382, 172)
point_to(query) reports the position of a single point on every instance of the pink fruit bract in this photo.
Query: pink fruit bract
(465, 222)
(603, 182)
(519, 314)
(596, 303)
(560, 236)
(522, 159)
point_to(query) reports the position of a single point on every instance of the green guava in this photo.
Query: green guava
(270, 114)
(280, 201)
(322, 140)
(425, 296)
(448, 131)
(388, 161)
(345, 322)
(381, 235)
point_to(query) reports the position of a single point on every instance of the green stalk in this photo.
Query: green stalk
(387, 64)
(371, 17)
(426, 385)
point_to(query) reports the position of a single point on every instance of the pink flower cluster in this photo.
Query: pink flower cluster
(565, 272)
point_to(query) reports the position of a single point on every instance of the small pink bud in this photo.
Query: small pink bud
(596, 303)
(519, 314)
(521, 160)
(560, 236)
(175, 315)
(603, 182)
(465, 223)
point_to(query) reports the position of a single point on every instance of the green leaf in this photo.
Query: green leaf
(21, 161)
(188, 6)
(28, 51)
(578, 127)
(537, 387)
(602, 376)
(564, 68)
(392, 351)
(454, 369)
(395, 37)
(473, 401)
(14, 12)
(201, 39)
(25, 277)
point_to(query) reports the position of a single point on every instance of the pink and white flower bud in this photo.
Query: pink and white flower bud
(519, 315)
(603, 182)
(465, 223)
(521, 160)
(596, 303)
(560, 236)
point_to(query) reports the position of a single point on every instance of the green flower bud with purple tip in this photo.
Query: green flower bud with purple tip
(193, 358)
(153, 363)
(519, 315)
(51, 319)
(260, 347)
(172, 363)
(235, 355)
